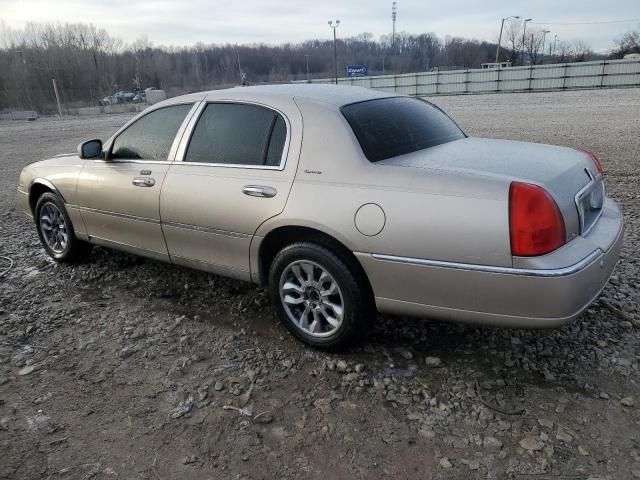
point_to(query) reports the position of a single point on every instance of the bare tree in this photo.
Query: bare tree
(628, 43)
(533, 45)
(513, 36)
(581, 51)
(89, 64)
(564, 52)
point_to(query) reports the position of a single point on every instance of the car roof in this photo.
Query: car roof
(337, 95)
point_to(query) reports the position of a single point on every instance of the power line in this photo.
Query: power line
(629, 20)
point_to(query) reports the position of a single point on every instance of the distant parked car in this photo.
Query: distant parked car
(124, 97)
(108, 100)
(341, 200)
(140, 98)
(118, 97)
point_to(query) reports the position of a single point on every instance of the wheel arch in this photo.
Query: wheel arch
(39, 186)
(282, 236)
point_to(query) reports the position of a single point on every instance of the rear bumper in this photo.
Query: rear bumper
(543, 292)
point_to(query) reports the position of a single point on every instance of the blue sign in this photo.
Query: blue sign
(357, 70)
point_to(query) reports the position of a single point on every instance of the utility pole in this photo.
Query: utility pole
(306, 55)
(334, 26)
(524, 33)
(555, 39)
(242, 75)
(24, 81)
(394, 13)
(500, 37)
(544, 37)
(531, 53)
(55, 90)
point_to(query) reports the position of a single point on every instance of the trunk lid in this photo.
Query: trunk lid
(570, 176)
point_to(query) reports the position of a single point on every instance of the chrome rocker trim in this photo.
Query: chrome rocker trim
(556, 272)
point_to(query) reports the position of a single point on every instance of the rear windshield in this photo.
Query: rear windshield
(389, 127)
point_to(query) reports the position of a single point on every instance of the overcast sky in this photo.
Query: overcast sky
(247, 21)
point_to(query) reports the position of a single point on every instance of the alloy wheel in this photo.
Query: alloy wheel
(311, 298)
(53, 228)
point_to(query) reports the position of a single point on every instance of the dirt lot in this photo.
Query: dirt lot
(121, 367)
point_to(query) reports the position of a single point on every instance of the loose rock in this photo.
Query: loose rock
(433, 362)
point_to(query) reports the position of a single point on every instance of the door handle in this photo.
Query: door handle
(144, 182)
(259, 191)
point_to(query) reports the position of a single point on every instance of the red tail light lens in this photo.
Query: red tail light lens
(593, 158)
(536, 225)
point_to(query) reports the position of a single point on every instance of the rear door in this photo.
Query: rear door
(119, 198)
(233, 171)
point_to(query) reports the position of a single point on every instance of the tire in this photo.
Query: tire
(56, 231)
(307, 283)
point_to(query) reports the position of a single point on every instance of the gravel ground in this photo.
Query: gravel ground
(128, 368)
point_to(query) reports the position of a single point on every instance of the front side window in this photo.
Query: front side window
(389, 127)
(150, 137)
(237, 134)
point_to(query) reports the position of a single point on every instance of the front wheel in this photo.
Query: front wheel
(318, 296)
(56, 231)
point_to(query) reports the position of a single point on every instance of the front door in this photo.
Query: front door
(119, 197)
(233, 172)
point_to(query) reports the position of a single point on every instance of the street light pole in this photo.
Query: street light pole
(334, 26)
(555, 39)
(524, 36)
(394, 12)
(500, 37)
(306, 55)
(544, 37)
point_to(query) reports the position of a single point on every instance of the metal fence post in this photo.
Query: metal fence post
(437, 81)
(466, 81)
(604, 63)
(564, 76)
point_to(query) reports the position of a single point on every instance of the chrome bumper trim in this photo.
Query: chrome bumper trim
(556, 272)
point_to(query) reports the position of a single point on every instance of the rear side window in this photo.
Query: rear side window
(237, 134)
(151, 136)
(389, 127)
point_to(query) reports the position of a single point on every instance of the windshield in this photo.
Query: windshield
(389, 127)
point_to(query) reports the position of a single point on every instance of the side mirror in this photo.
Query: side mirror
(90, 149)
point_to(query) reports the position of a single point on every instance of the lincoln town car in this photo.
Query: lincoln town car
(341, 201)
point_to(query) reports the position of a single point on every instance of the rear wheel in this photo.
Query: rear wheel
(317, 296)
(56, 231)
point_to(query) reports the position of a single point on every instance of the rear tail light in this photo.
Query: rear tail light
(536, 225)
(593, 158)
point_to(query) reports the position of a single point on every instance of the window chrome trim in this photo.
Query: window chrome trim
(186, 139)
(121, 161)
(183, 127)
(174, 145)
(555, 272)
